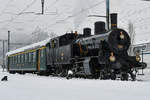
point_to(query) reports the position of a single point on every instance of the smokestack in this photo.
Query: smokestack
(99, 27)
(113, 20)
(87, 32)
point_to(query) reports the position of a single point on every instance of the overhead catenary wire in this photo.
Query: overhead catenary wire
(27, 7)
(76, 14)
(2, 12)
(52, 4)
(23, 13)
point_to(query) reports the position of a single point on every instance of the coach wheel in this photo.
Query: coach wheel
(12, 72)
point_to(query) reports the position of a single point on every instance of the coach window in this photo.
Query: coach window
(22, 58)
(34, 56)
(9, 60)
(18, 58)
(13, 59)
(26, 57)
(29, 57)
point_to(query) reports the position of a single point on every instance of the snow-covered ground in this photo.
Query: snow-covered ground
(33, 87)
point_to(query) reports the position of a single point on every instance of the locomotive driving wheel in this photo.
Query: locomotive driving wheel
(113, 76)
(103, 75)
(124, 76)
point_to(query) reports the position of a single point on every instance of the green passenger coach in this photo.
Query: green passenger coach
(31, 58)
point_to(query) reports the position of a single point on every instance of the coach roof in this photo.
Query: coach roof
(29, 47)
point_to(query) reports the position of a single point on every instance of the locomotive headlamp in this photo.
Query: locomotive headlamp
(138, 58)
(112, 58)
(121, 35)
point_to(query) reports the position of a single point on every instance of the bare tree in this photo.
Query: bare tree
(38, 35)
(52, 35)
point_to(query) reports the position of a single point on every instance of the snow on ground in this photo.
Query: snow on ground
(33, 87)
(145, 77)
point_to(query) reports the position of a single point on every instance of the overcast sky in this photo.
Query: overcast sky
(21, 16)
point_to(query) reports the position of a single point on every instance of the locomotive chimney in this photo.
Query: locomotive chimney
(99, 27)
(87, 32)
(113, 20)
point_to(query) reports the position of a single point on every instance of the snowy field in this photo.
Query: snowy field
(33, 87)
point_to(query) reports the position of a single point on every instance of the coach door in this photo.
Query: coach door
(38, 60)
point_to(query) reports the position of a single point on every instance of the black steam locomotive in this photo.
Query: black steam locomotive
(103, 55)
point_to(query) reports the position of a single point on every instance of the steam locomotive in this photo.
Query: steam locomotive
(103, 55)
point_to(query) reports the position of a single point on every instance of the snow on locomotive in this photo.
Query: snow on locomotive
(103, 55)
